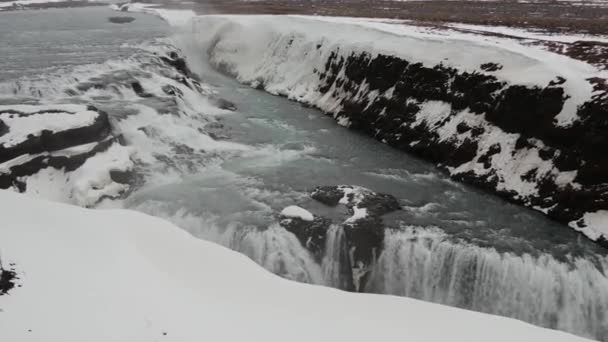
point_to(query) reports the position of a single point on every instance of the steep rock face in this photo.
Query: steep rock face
(507, 116)
(354, 243)
(501, 137)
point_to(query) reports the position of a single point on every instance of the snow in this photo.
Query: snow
(85, 186)
(123, 276)
(37, 119)
(92, 181)
(253, 48)
(33, 3)
(358, 213)
(297, 212)
(595, 224)
(174, 17)
(528, 33)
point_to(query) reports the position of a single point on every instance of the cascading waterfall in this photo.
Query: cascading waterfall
(274, 248)
(423, 264)
(336, 269)
(278, 251)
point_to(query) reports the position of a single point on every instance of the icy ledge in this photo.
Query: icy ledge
(88, 275)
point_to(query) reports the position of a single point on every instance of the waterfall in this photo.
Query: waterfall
(278, 251)
(335, 265)
(272, 247)
(424, 264)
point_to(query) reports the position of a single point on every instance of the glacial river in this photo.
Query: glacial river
(450, 244)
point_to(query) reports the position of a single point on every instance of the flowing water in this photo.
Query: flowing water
(450, 244)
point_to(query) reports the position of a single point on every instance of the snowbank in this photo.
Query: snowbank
(123, 276)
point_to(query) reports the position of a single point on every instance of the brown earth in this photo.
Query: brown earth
(542, 14)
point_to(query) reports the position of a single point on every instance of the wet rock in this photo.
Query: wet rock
(312, 234)
(121, 20)
(486, 159)
(49, 140)
(12, 178)
(7, 279)
(223, 104)
(3, 128)
(361, 233)
(139, 89)
(328, 195)
(490, 67)
(172, 91)
(87, 133)
(179, 63)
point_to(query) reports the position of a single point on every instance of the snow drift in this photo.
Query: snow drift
(125, 276)
(503, 113)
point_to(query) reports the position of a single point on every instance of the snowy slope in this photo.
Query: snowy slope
(123, 276)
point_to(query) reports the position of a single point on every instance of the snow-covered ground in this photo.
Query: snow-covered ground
(256, 39)
(103, 276)
(19, 4)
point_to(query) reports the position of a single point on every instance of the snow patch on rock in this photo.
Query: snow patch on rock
(294, 211)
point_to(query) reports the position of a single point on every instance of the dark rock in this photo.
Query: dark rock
(121, 20)
(490, 67)
(179, 64)
(328, 195)
(462, 128)
(3, 128)
(7, 279)
(312, 234)
(363, 236)
(223, 104)
(558, 81)
(139, 90)
(172, 91)
(31, 167)
(379, 204)
(529, 111)
(486, 158)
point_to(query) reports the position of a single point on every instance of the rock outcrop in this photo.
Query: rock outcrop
(8, 276)
(63, 138)
(504, 138)
(356, 241)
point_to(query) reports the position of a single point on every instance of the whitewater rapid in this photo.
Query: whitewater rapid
(224, 176)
